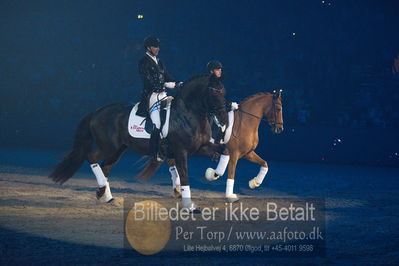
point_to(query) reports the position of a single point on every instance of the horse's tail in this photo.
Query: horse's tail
(75, 158)
(151, 167)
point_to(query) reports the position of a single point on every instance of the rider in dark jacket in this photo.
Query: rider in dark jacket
(155, 80)
(215, 68)
(153, 73)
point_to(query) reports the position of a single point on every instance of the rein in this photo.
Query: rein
(260, 118)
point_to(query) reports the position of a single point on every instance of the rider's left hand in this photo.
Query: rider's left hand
(170, 85)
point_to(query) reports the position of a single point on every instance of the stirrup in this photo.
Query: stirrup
(158, 157)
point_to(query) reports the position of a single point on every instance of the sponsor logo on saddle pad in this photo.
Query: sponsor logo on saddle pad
(136, 125)
(137, 128)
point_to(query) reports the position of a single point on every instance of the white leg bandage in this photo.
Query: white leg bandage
(261, 175)
(101, 179)
(229, 187)
(223, 162)
(186, 198)
(175, 176)
(107, 194)
(185, 192)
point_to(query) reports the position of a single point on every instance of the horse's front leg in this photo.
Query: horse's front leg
(174, 174)
(257, 180)
(210, 150)
(181, 165)
(230, 195)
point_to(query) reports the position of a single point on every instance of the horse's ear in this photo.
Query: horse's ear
(280, 91)
(277, 93)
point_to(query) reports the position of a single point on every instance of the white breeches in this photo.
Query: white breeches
(155, 107)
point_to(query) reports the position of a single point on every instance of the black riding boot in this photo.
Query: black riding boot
(154, 145)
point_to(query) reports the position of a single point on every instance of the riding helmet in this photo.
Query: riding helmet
(151, 41)
(212, 65)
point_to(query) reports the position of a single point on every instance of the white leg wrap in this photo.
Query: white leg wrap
(261, 175)
(185, 192)
(223, 162)
(175, 176)
(101, 179)
(229, 187)
(186, 199)
(107, 194)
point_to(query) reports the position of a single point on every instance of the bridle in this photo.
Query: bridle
(274, 122)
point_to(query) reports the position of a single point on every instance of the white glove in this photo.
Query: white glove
(234, 106)
(169, 85)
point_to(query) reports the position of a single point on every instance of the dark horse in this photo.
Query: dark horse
(189, 133)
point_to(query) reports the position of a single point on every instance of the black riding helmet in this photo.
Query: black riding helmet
(212, 65)
(151, 41)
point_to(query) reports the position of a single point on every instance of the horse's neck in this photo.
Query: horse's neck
(255, 109)
(256, 106)
(187, 109)
(193, 102)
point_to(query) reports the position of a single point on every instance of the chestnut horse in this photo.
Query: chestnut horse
(244, 138)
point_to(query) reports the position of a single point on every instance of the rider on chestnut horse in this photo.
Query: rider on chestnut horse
(214, 68)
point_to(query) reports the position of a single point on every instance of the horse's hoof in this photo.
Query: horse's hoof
(191, 208)
(103, 194)
(232, 198)
(211, 175)
(177, 191)
(110, 201)
(253, 184)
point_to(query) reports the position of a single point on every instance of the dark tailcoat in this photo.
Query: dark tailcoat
(153, 76)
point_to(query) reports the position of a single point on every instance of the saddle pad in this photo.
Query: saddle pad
(229, 129)
(136, 125)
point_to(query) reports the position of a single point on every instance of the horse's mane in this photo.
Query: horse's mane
(197, 76)
(187, 84)
(254, 96)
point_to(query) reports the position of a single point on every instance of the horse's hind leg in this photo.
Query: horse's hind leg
(101, 172)
(257, 181)
(104, 191)
(111, 161)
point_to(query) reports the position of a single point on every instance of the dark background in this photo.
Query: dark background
(337, 62)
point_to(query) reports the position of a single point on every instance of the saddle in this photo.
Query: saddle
(220, 136)
(140, 124)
